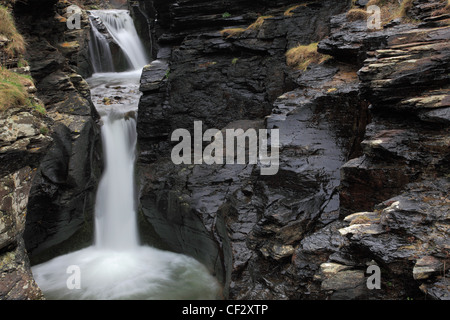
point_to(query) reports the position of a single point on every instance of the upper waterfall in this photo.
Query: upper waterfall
(115, 26)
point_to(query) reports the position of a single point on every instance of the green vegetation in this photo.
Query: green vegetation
(22, 63)
(234, 61)
(13, 91)
(302, 56)
(226, 15)
(43, 130)
(14, 86)
(38, 107)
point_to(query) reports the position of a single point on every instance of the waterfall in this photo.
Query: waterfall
(115, 205)
(99, 51)
(120, 27)
(116, 266)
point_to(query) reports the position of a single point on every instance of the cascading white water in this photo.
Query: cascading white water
(115, 206)
(117, 266)
(121, 28)
(99, 51)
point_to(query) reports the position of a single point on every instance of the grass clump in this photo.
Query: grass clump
(357, 14)
(258, 23)
(16, 45)
(302, 56)
(14, 92)
(232, 32)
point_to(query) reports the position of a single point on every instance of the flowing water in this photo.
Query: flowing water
(116, 266)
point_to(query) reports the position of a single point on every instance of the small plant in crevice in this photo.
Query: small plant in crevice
(38, 107)
(290, 12)
(43, 130)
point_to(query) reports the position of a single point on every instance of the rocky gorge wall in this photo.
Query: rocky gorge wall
(51, 159)
(364, 156)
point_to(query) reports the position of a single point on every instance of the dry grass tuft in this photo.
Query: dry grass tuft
(357, 14)
(258, 23)
(301, 57)
(405, 7)
(232, 32)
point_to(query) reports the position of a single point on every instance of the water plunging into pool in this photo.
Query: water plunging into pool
(116, 266)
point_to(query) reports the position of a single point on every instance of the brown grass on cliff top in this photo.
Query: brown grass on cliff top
(16, 44)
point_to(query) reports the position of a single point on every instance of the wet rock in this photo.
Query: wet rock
(153, 75)
(426, 267)
(285, 236)
(16, 279)
(21, 140)
(438, 290)
(63, 191)
(277, 251)
(219, 79)
(344, 284)
(351, 41)
(421, 59)
(407, 228)
(407, 135)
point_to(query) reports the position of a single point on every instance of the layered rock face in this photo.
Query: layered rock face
(229, 217)
(60, 206)
(22, 146)
(403, 173)
(363, 158)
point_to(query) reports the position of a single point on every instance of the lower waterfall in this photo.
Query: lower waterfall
(117, 266)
